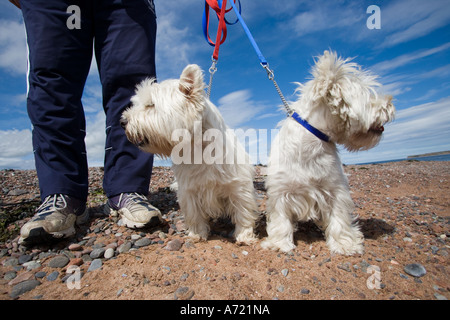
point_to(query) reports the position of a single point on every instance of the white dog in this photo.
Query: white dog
(209, 181)
(305, 179)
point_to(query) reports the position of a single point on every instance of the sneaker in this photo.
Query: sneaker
(135, 210)
(54, 219)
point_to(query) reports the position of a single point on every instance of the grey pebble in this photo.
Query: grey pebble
(124, 247)
(95, 264)
(142, 242)
(415, 270)
(40, 274)
(10, 275)
(24, 258)
(23, 287)
(11, 262)
(304, 291)
(53, 276)
(285, 272)
(97, 253)
(183, 293)
(439, 296)
(58, 262)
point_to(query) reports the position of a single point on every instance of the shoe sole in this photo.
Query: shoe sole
(154, 221)
(40, 235)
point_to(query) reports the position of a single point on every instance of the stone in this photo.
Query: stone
(95, 264)
(184, 293)
(173, 245)
(304, 291)
(24, 258)
(124, 247)
(40, 274)
(53, 276)
(75, 247)
(21, 278)
(142, 242)
(58, 262)
(23, 287)
(109, 253)
(10, 275)
(285, 272)
(135, 237)
(31, 265)
(415, 270)
(97, 253)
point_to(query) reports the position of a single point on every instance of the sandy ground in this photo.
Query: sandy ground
(403, 209)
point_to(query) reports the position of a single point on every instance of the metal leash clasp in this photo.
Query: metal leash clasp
(271, 77)
(270, 73)
(212, 71)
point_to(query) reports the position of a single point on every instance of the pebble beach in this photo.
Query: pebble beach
(403, 209)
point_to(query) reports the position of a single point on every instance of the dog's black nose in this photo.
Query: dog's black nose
(123, 122)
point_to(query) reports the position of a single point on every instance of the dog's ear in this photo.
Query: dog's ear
(191, 81)
(340, 82)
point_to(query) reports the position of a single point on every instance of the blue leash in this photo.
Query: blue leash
(249, 34)
(290, 113)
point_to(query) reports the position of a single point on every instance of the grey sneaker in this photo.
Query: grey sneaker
(54, 219)
(134, 209)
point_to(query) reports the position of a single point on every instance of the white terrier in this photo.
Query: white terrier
(210, 182)
(305, 179)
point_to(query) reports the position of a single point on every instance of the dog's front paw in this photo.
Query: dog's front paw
(197, 237)
(246, 237)
(282, 245)
(346, 248)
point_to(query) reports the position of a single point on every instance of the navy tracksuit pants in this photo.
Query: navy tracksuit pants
(61, 41)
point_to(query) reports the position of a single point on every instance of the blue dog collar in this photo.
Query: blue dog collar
(319, 134)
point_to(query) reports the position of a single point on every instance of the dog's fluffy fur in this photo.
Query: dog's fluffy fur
(305, 176)
(205, 191)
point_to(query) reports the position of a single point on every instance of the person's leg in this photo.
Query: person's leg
(59, 61)
(125, 33)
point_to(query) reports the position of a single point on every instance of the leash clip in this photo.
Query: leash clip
(213, 67)
(270, 73)
(212, 71)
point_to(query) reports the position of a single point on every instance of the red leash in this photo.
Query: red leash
(221, 36)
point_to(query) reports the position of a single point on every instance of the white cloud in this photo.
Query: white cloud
(407, 20)
(237, 108)
(13, 48)
(16, 149)
(177, 39)
(95, 139)
(407, 58)
(322, 17)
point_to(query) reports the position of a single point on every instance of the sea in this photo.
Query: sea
(443, 157)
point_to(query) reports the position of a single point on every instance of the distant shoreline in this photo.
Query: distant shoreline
(429, 154)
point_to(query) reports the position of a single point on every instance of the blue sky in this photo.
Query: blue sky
(410, 53)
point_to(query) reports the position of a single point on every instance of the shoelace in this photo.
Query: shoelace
(56, 201)
(133, 198)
